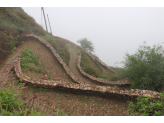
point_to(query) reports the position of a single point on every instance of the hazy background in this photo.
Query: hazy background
(114, 31)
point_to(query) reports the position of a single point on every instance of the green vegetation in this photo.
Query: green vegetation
(87, 67)
(37, 78)
(145, 68)
(119, 74)
(31, 76)
(104, 79)
(60, 46)
(93, 68)
(94, 55)
(115, 86)
(85, 101)
(16, 17)
(86, 44)
(29, 57)
(48, 75)
(40, 89)
(11, 105)
(20, 21)
(144, 107)
(78, 53)
(8, 43)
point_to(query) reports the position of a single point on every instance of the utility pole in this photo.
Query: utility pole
(49, 24)
(45, 20)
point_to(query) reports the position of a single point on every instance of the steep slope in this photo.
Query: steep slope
(15, 22)
(57, 58)
(51, 101)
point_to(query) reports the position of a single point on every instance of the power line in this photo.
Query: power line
(48, 20)
(41, 16)
(45, 14)
(46, 11)
(49, 24)
(45, 19)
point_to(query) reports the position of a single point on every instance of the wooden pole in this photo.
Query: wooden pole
(45, 19)
(49, 24)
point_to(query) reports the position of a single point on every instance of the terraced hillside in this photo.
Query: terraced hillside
(55, 71)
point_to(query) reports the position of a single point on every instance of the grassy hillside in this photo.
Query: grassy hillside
(15, 21)
(23, 99)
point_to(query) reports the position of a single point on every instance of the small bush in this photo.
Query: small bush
(8, 101)
(115, 78)
(10, 105)
(90, 71)
(144, 107)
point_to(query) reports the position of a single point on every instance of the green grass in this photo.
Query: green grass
(78, 53)
(97, 102)
(16, 18)
(85, 101)
(31, 76)
(104, 79)
(93, 67)
(27, 56)
(40, 89)
(60, 46)
(2, 63)
(48, 75)
(115, 86)
(37, 78)
(11, 105)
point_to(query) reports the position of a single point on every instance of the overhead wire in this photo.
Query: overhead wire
(41, 16)
(46, 14)
(43, 25)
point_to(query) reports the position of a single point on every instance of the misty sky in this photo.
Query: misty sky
(114, 31)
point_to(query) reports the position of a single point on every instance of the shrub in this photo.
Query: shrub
(115, 78)
(91, 72)
(146, 67)
(10, 103)
(144, 107)
(21, 30)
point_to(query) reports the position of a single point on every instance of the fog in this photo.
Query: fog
(114, 31)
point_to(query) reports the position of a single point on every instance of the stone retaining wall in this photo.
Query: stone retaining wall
(56, 56)
(84, 88)
(99, 81)
(93, 58)
(93, 79)
(106, 91)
